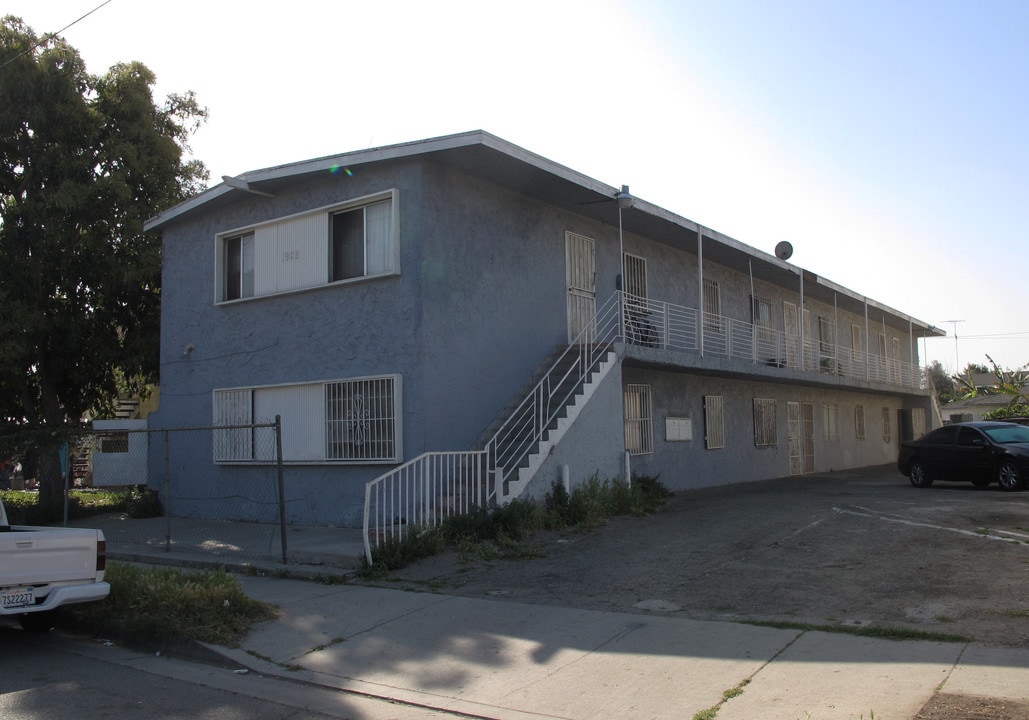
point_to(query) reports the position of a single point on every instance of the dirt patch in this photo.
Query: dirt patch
(857, 549)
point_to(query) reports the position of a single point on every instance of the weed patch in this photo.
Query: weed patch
(152, 605)
(501, 531)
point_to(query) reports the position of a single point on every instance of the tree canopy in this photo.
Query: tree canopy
(84, 161)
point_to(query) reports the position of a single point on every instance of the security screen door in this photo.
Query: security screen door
(580, 257)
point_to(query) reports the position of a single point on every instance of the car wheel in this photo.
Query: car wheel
(919, 477)
(38, 621)
(1008, 476)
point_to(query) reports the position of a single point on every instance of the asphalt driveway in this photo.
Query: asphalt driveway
(857, 547)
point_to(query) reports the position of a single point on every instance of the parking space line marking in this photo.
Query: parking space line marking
(972, 533)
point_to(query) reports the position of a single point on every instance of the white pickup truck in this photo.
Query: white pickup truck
(42, 569)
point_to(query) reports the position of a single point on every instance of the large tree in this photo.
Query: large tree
(84, 161)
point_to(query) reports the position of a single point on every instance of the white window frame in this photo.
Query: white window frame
(307, 426)
(361, 415)
(639, 419)
(714, 422)
(293, 253)
(765, 428)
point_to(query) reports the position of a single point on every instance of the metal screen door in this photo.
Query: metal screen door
(801, 432)
(580, 258)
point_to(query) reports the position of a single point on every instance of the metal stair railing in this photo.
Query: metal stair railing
(527, 425)
(433, 486)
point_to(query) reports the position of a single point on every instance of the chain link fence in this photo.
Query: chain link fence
(177, 492)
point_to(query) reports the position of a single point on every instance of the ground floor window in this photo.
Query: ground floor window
(353, 421)
(639, 420)
(859, 422)
(887, 433)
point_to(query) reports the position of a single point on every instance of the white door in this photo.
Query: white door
(580, 260)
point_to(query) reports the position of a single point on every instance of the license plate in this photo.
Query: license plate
(18, 597)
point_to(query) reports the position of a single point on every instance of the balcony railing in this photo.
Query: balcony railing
(663, 325)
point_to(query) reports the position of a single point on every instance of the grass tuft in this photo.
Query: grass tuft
(152, 605)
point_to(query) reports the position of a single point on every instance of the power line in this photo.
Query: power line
(50, 36)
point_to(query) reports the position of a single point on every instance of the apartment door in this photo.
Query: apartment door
(580, 261)
(801, 432)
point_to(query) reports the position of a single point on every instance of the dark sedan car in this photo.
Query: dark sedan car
(979, 452)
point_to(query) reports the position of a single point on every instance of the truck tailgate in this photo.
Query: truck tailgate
(47, 556)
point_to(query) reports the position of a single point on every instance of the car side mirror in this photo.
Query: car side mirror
(978, 442)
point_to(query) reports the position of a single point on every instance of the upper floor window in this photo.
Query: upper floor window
(362, 242)
(339, 243)
(239, 266)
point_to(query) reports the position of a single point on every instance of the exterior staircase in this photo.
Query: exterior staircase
(426, 490)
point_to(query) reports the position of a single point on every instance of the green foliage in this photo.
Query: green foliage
(497, 532)
(150, 605)
(403, 549)
(137, 502)
(943, 384)
(1017, 410)
(85, 160)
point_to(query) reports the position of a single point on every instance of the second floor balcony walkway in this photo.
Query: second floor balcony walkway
(679, 332)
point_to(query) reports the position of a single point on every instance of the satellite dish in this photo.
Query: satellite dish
(783, 250)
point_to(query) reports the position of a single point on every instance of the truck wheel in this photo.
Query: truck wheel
(39, 621)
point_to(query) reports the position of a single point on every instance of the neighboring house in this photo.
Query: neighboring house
(973, 408)
(401, 300)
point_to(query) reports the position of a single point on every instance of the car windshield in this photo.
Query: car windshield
(1008, 433)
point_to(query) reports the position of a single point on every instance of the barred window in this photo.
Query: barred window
(714, 421)
(639, 420)
(887, 433)
(233, 408)
(360, 420)
(859, 422)
(764, 423)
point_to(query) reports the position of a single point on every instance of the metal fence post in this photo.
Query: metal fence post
(167, 493)
(282, 486)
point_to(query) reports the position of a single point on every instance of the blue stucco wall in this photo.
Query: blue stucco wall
(477, 306)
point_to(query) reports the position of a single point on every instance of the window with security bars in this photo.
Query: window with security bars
(765, 434)
(639, 420)
(832, 421)
(360, 420)
(233, 408)
(859, 422)
(714, 422)
(887, 433)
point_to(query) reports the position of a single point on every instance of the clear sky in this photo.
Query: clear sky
(885, 139)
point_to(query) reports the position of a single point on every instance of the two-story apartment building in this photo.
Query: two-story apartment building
(403, 300)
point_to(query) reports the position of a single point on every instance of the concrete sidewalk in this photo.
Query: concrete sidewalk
(496, 659)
